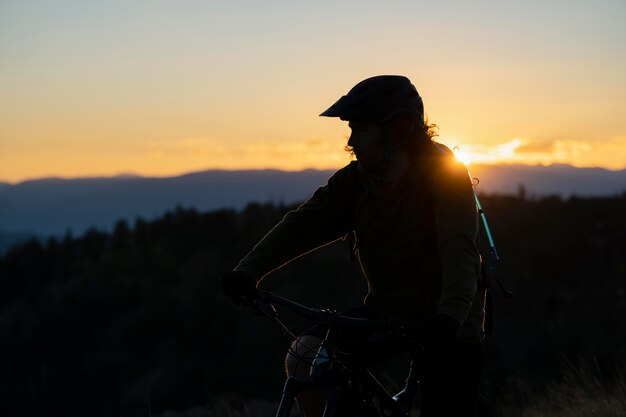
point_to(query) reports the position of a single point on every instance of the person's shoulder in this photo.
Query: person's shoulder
(440, 154)
(444, 164)
(344, 185)
(444, 155)
(352, 168)
(349, 172)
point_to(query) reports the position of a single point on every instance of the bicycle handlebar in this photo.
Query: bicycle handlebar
(265, 300)
(383, 334)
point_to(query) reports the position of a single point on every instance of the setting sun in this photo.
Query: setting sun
(462, 155)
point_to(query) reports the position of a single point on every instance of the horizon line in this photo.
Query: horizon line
(132, 175)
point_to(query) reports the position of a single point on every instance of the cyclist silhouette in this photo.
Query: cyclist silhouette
(408, 208)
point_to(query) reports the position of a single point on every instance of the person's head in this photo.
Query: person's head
(386, 115)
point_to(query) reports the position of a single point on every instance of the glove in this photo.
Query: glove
(440, 329)
(239, 286)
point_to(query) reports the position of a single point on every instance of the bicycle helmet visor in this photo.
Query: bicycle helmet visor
(378, 99)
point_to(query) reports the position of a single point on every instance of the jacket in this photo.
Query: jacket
(416, 239)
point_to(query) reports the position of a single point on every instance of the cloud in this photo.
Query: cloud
(535, 147)
(184, 146)
(196, 152)
(609, 152)
(293, 155)
(489, 154)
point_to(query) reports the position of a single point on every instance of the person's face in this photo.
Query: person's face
(366, 140)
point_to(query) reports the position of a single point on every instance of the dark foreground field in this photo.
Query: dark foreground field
(132, 323)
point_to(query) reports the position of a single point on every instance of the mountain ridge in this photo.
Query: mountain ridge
(132, 175)
(54, 206)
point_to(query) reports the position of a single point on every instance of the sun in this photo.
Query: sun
(462, 156)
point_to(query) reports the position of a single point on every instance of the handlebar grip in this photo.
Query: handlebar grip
(325, 316)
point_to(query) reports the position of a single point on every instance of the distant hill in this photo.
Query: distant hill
(55, 206)
(560, 179)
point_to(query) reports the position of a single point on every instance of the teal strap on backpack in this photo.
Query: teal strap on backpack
(494, 258)
(492, 246)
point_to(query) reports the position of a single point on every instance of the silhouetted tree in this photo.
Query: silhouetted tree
(100, 324)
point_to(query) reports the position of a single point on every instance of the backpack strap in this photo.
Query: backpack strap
(487, 271)
(494, 258)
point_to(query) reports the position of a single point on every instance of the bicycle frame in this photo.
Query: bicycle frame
(339, 379)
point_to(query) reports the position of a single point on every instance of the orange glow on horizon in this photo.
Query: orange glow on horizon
(175, 157)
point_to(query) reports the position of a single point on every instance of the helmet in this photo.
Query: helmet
(378, 99)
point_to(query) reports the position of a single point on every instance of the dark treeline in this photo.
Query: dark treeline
(132, 322)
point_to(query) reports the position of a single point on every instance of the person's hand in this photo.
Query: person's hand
(440, 329)
(239, 286)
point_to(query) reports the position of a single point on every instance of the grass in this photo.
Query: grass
(584, 391)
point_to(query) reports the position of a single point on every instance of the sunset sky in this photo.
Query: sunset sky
(91, 88)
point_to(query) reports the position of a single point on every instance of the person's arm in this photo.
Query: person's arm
(322, 219)
(456, 219)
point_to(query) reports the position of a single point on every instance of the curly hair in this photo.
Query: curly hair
(422, 136)
(416, 136)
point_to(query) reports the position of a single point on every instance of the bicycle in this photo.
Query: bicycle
(350, 390)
